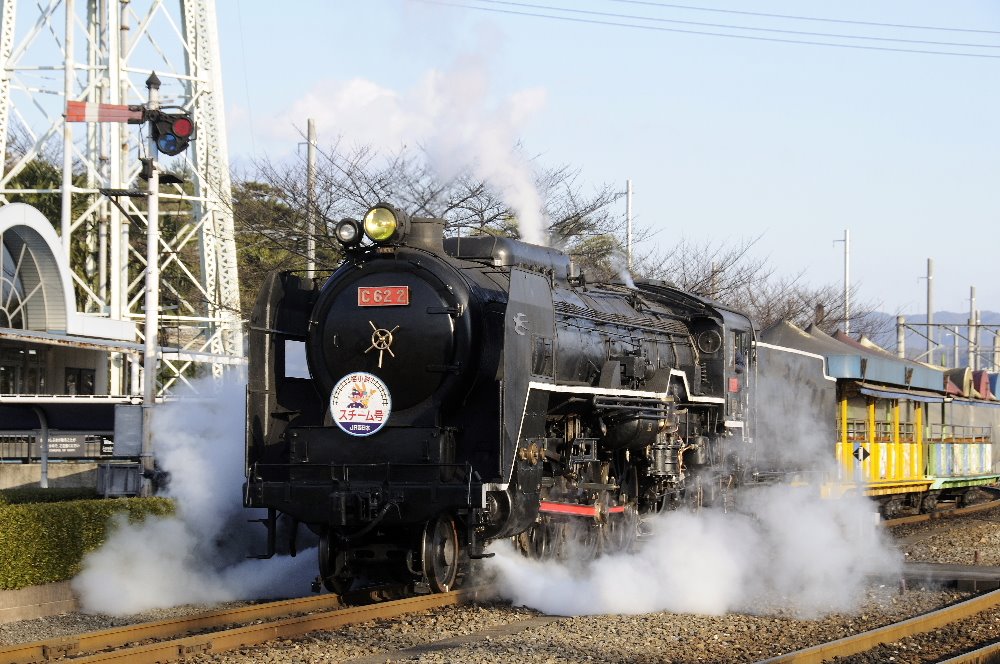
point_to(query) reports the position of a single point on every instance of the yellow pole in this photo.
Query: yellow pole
(897, 448)
(919, 469)
(871, 464)
(846, 458)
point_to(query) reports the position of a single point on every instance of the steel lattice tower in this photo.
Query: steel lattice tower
(102, 51)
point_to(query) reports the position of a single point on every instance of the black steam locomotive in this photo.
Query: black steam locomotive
(466, 389)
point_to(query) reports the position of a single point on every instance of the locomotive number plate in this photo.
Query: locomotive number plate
(383, 296)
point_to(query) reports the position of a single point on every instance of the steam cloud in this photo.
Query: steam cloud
(792, 550)
(199, 555)
(786, 546)
(451, 113)
(619, 263)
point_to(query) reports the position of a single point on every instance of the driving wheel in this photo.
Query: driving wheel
(440, 553)
(331, 567)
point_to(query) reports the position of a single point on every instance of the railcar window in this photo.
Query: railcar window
(295, 359)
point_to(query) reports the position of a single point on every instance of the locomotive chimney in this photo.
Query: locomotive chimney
(426, 233)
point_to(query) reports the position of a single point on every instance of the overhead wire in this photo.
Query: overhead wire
(660, 28)
(727, 26)
(668, 5)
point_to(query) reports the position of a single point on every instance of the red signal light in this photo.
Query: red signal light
(182, 127)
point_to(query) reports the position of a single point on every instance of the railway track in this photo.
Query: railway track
(941, 514)
(175, 639)
(860, 643)
(430, 633)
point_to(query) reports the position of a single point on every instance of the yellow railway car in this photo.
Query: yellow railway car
(900, 431)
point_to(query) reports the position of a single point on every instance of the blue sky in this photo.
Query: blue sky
(723, 138)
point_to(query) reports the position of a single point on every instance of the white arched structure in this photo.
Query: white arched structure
(36, 289)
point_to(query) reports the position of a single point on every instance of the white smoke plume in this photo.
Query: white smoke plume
(619, 263)
(791, 550)
(449, 112)
(199, 555)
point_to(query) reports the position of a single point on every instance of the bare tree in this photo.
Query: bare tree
(732, 274)
(349, 182)
(271, 218)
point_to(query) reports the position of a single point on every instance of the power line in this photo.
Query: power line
(804, 18)
(729, 26)
(656, 28)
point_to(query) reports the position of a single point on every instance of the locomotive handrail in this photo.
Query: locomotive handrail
(671, 295)
(624, 407)
(271, 330)
(638, 408)
(630, 403)
(603, 398)
(658, 325)
(386, 467)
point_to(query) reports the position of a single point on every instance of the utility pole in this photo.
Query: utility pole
(977, 361)
(900, 337)
(972, 327)
(930, 312)
(152, 295)
(847, 280)
(628, 228)
(954, 347)
(311, 198)
(996, 352)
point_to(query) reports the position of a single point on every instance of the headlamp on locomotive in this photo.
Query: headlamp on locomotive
(381, 225)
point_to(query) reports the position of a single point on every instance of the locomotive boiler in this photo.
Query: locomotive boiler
(456, 391)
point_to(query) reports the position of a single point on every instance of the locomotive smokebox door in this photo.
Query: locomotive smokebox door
(529, 331)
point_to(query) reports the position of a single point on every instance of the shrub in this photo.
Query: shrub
(46, 542)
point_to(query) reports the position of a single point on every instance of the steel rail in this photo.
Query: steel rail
(986, 655)
(59, 646)
(930, 516)
(172, 649)
(239, 637)
(858, 643)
